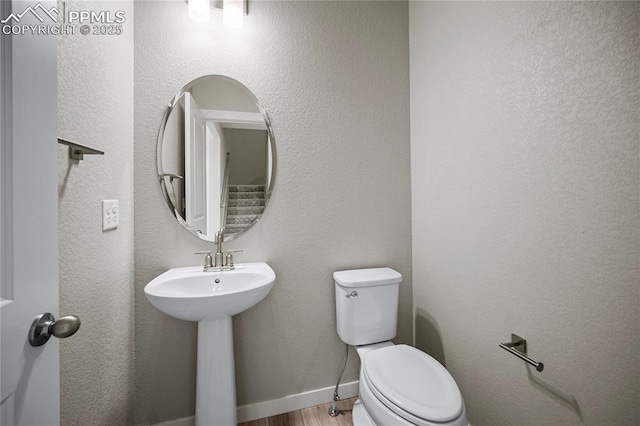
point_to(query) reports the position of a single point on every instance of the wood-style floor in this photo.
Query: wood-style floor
(312, 416)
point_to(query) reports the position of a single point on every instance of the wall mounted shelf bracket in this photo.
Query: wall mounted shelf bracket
(77, 151)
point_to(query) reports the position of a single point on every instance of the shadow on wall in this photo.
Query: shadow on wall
(569, 401)
(428, 338)
(62, 187)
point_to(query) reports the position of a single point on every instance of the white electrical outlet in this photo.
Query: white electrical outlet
(110, 214)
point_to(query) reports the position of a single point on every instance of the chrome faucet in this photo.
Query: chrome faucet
(218, 262)
(219, 256)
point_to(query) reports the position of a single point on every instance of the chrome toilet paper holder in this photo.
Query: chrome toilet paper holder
(518, 347)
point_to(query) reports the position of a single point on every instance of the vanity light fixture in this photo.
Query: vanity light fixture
(233, 11)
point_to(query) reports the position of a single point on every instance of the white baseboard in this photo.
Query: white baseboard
(294, 402)
(185, 421)
(274, 407)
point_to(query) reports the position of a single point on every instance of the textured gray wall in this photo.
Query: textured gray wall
(95, 108)
(525, 186)
(334, 78)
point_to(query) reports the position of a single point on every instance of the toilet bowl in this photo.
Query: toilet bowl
(399, 384)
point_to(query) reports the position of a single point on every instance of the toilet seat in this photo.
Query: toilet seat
(413, 385)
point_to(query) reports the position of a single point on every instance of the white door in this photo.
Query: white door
(195, 153)
(214, 166)
(28, 214)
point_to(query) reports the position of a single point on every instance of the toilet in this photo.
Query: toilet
(399, 384)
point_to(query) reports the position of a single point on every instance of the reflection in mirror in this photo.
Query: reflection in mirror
(216, 157)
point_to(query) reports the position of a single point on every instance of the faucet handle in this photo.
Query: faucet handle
(208, 260)
(229, 258)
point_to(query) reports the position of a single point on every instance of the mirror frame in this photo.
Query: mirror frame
(161, 172)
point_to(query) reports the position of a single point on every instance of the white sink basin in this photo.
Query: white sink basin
(193, 295)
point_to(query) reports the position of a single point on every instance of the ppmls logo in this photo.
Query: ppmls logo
(33, 11)
(51, 21)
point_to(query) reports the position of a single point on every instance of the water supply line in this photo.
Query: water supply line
(334, 410)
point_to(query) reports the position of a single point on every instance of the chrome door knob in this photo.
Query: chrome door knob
(45, 326)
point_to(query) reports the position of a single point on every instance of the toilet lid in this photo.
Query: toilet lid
(414, 382)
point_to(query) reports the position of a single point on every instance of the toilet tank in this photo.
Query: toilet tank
(367, 305)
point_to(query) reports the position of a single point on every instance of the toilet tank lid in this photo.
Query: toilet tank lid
(367, 277)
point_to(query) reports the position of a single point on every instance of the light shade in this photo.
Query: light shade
(199, 10)
(233, 13)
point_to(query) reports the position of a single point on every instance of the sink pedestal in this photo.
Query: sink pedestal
(211, 299)
(215, 383)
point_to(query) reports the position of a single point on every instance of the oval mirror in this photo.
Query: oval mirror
(216, 157)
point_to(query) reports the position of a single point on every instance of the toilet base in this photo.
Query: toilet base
(360, 415)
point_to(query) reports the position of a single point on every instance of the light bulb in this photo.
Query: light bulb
(199, 10)
(233, 13)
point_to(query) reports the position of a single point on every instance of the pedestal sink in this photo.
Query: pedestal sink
(211, 298)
